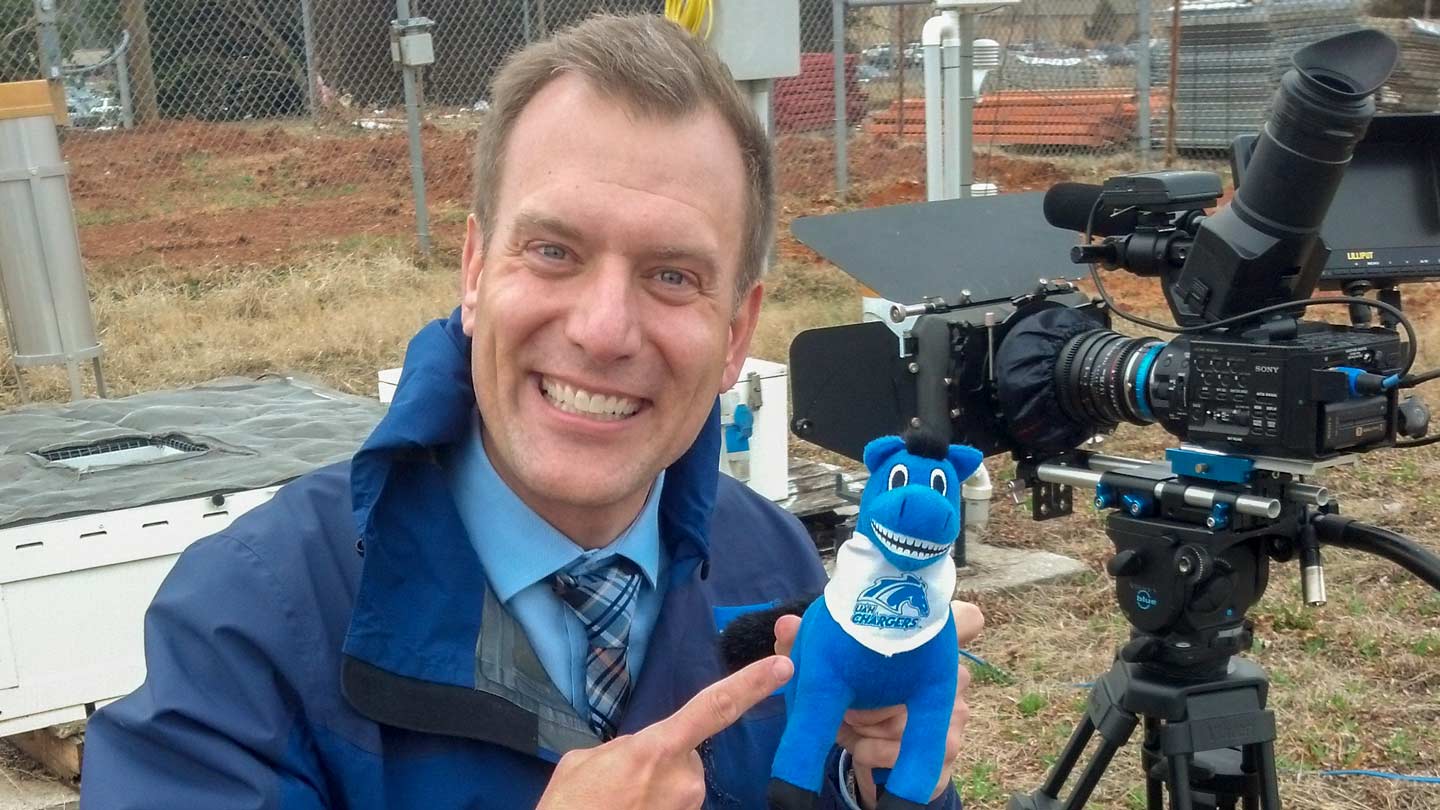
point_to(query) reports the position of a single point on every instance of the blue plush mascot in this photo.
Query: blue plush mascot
(882, 634)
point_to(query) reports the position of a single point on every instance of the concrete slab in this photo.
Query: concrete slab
(24, 786)
(992, 568)
(831, 520)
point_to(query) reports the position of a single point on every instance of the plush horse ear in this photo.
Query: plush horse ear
(965, 459)
(880, 449)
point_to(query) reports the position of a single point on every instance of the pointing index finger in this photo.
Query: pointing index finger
(720, 704)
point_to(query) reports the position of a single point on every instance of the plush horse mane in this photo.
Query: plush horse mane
(924, 443)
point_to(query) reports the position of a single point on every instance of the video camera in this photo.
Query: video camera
(1008, 355)
(1037, 372)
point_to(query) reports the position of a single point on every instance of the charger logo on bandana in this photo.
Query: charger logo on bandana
(897, 603)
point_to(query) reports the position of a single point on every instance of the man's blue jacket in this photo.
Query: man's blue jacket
(326, 650)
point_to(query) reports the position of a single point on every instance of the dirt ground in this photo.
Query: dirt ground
(222, 250)
(193, 192)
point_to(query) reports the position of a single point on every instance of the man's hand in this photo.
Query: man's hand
(657, 768)
(872, 736)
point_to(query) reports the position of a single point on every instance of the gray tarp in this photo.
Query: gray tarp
(255, 433)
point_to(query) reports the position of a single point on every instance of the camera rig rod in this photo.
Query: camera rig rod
(1120, 478)
(1295, 491)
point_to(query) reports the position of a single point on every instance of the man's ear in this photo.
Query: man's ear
(880, 449)
(742, 328)
(965, 459)
(472, 261)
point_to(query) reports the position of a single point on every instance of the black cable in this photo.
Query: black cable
(1425, 442)
(1416, 379)
(1344, 532)
(1411, 344)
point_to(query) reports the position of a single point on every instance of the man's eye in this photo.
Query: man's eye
(553, 252)
(676, 278)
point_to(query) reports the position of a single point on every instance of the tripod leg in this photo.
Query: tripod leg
(1250, 800)
(1068, 757)
(1265, 762)
(1179, 772)
(1095, 769)
(1154, 786)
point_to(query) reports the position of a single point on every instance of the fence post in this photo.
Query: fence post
(51, 60)
(122, 80)
(1142, 79)
(417, 154)
(142, 61)
(312, 84)
(842, 158)
(1174, 89)
(525, 18)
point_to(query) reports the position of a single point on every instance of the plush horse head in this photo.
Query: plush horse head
(911, 506)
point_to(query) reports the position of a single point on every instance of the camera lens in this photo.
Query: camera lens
(1098, 378)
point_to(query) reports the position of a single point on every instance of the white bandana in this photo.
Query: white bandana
(888, 610)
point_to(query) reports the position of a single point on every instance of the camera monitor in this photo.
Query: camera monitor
(1384, 224)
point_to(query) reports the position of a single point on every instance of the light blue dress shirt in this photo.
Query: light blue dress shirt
(521, 552)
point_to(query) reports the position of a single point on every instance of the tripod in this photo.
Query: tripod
(1186, 569)
(1192, 556)
(1210, 742)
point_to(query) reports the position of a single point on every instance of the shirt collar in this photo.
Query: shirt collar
(517, 547)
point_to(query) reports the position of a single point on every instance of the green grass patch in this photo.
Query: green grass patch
(1369, 647)
(1294, 618)
(109, 216)
(1031, 703)
(1426, 646)
(373, 244)
(985, 673)
(1400, 748)
(979, 784)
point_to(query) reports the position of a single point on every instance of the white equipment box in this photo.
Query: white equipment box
(764, 390)
(100, 496)
(762, 395)
(73, 594)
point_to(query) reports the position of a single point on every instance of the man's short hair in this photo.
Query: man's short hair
(657, 69)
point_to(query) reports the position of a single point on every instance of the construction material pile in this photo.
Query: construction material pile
(1232, 55)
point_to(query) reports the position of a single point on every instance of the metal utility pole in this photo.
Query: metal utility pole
(1174, 82)
(842, 158)
(897, 64)
(412, 49)
(1142, 79)
(312, 83)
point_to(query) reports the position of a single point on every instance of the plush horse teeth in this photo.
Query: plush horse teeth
(905, 544)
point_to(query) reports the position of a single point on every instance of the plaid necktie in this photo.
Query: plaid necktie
(604, 600)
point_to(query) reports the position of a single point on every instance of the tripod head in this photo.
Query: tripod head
(1193, 541)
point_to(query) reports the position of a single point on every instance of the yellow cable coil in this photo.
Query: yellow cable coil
(692, 15)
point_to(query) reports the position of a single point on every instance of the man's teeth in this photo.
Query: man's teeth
(907, 545)
(579, 401)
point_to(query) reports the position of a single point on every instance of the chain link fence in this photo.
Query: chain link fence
(248, 130)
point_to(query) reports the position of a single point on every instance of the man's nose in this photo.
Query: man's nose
(604, 321)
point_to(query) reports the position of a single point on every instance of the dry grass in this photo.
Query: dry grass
(1356, 684)
(337, 318)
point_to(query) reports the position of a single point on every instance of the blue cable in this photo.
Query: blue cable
(1399, 777)
(980, 661)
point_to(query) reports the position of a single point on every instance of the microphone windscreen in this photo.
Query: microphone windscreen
(1067, 205)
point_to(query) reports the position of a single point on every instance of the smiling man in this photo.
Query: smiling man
(511, 596)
